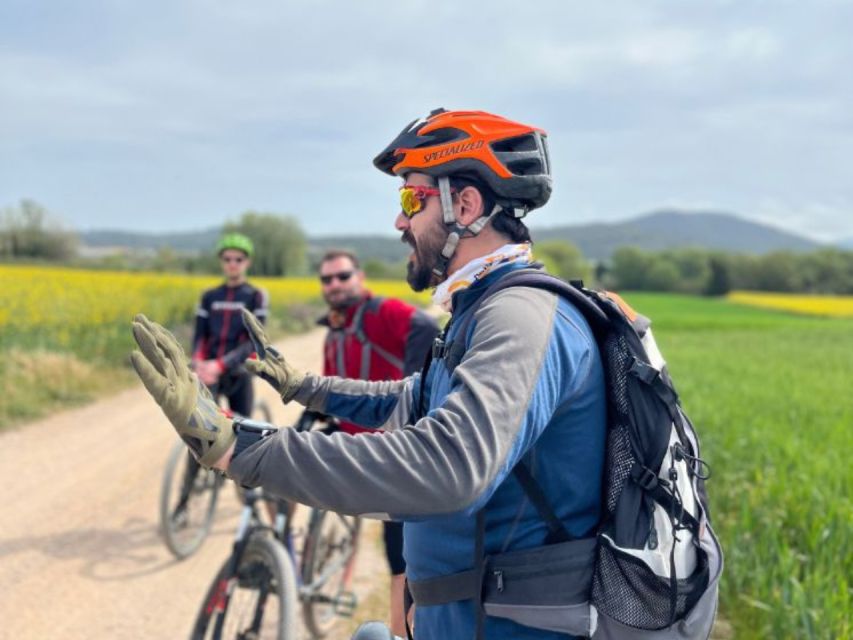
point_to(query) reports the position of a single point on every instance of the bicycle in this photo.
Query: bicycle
(255, 593)
(187, 505)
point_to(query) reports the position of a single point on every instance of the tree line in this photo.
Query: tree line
(28, 232)
(699, 271)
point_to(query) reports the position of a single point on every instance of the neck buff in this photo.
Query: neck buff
(478, 269)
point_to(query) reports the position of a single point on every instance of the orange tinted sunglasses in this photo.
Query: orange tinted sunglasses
(412, 198)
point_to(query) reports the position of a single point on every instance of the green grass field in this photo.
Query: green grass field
(770, 394)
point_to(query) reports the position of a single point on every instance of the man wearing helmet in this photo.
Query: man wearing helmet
(220, 342)
(515, 390)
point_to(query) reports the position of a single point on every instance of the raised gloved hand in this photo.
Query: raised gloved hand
(164, 370)
(270, 365)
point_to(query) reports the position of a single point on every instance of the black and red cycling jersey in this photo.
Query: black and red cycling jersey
(219, 331)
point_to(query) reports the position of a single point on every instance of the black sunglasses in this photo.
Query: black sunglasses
(343, 276)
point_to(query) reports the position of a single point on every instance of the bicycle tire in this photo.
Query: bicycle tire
(327, 566)
(186, 526)
(264, 567)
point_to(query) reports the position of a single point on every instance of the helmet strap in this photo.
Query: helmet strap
(446, 201)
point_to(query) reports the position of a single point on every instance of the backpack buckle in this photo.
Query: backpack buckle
(644, 477)
(644, 371)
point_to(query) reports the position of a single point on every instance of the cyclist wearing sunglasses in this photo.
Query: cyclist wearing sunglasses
(527, 386)
(372, 338)
(220, 342)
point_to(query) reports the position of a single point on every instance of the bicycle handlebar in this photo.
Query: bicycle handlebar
(305, 422)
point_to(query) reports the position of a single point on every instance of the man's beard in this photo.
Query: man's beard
(344, 302)
(419, 270)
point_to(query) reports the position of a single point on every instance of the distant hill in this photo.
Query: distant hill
(669, 229)
(193, 241)
(664, 229)
(380, 247)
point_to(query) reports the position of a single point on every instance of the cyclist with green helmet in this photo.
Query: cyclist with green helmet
(220, 343)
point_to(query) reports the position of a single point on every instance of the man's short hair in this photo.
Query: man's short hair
(334, 254)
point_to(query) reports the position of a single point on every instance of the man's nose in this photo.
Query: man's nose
(402, 223)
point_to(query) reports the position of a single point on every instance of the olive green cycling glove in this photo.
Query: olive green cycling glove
(164, 370)
(270, 365)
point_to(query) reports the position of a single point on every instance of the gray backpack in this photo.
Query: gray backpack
(651, 572)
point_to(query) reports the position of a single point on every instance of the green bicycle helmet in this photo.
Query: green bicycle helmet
(235, 241)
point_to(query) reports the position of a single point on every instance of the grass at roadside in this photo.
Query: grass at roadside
(37, 382)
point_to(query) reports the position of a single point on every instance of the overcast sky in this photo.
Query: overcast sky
(170, 115)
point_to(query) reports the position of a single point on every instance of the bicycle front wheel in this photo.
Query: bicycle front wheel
(328, 560)
(187, 502)
(258, 602)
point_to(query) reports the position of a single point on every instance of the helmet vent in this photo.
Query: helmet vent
(520, 143)
(531, 166)
(444, 135)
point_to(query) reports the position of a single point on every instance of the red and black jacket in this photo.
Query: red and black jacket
(219, 332)
(376, 339)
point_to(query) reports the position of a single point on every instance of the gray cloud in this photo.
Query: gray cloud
(163, 115)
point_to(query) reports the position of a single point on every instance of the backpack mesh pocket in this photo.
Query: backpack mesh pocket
(619, 456)
(625, 589)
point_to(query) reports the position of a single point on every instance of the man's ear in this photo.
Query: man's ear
(470, 208)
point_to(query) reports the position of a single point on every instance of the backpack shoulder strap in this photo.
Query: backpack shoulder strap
(453, 351)
(534, 277)
(372, 305)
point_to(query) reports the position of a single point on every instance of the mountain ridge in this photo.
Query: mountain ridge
(652, 231)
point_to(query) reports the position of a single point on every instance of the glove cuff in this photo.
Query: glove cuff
(290, 391)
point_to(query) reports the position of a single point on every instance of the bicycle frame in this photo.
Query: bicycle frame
(250, 525)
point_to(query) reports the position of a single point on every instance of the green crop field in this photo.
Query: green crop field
(771, 395)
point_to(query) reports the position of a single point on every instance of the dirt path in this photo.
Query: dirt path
(80, 556)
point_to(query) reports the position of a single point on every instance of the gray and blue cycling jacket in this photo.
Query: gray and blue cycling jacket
(529, 387)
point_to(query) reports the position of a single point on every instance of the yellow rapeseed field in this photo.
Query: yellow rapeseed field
(819, 305)
(90, 311)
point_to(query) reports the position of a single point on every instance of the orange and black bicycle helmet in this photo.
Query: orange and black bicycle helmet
(510, 158)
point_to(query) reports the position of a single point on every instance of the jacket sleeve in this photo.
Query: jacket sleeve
(451, 459)
(202, 328)
(371, 404)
